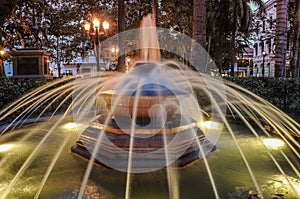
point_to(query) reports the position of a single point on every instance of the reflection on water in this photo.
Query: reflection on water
(230, 173)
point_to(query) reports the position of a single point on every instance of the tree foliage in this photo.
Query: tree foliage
(61, 22)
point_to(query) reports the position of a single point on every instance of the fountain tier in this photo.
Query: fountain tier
(146, 125)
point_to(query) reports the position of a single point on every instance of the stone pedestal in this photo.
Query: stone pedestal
(31, 63)
(116, 147)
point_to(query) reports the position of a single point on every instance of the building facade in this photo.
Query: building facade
(264, 41)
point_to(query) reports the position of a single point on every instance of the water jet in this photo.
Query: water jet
(158, 120)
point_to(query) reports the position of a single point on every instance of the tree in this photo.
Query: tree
(281, 38)
(199, 22)
(295, 63)
(229, 28)
(239, 14)
(171, 16)
(6, 7)
(154, 10)
(121, 28)
(199, 34)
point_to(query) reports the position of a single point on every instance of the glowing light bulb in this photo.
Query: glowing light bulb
(105, 25)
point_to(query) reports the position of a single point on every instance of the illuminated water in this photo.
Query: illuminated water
(230, 174)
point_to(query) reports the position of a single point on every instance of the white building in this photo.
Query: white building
(87, 63)
(264, 42)
(8, 68)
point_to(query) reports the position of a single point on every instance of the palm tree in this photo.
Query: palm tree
(199, 22)
(199, 33)
(281, 38)
(121, 28)
(239, 14)
(296, 49)
(234, 14)
(154, 11)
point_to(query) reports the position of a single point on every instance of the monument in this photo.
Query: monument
(31, 63)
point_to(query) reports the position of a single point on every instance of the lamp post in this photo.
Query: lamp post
(264, 54)
(2, 71)
(237, 67)
(93, 31)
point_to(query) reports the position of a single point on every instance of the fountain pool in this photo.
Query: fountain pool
(231, 176)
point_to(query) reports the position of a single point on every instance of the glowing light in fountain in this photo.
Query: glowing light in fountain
(6, 147)
(274, 143)
(70, 125)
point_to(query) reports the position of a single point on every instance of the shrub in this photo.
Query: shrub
(283, 93)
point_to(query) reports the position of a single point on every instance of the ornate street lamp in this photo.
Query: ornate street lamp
(94, 30)
(264, 54)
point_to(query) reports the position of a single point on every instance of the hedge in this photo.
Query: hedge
(13, 89)
(283, 93)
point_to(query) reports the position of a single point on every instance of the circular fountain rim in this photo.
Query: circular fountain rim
(131, 93)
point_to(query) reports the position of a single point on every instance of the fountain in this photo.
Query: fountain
(145, 119)
(158, 122)
(214, 128)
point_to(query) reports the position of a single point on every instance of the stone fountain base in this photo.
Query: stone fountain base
(152, 147)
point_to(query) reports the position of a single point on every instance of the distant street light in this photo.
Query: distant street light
(237, 65)
(114, 51)
(264, 54)
(93, 30)
(2, 72)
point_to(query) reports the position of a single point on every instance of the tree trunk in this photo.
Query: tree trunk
(296, 48)
(121, 27)
(199, 22)
(281, 38)
(199, 34)
(154, 11)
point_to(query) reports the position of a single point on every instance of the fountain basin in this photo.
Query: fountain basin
(150, 99)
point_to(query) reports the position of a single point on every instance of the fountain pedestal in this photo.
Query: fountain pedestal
(155, 141)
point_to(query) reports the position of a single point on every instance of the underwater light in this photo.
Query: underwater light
(6, 147)
(273, 142)
(209, 124)
(70, 125)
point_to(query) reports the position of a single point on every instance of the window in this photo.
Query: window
(255, 50)
(271, 22)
